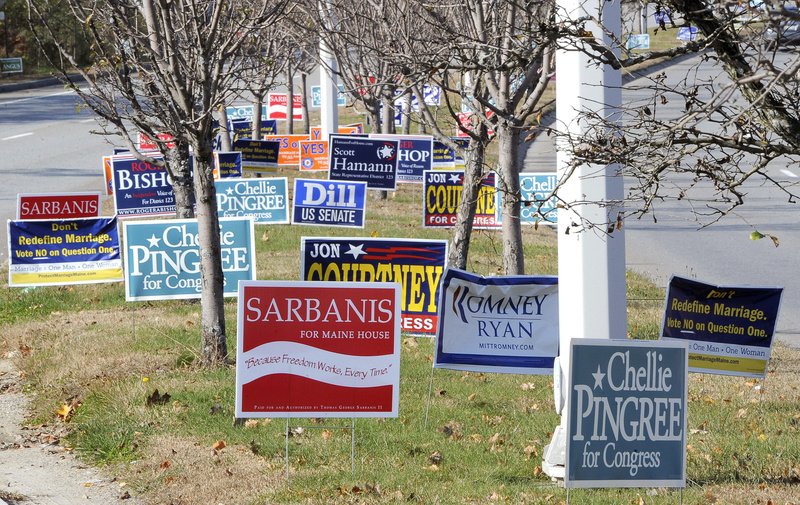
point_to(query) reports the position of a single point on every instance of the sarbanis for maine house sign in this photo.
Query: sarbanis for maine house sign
(627, 414)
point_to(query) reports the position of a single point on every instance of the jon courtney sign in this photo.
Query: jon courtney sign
(318, 349)
(417, 264)
(626, 425)
(505, 324)
(729, 329)
(329, 203)
(442, 190)
(162, 258)
(52, 253)
(265, 200)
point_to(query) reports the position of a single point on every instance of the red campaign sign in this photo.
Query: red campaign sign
(318, 349)
(278, 105)
(58, 206)
(148, 145)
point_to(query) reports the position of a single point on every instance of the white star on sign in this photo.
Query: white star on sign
(229, 191)
(153, 241)
(356, 250)
(385, 152)
(455, 178)
(598, 378)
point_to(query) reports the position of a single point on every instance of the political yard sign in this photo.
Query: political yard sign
(442, 190)
(227, 164)
(162, 258)
(318, 349)
(141, 189)
(729, 329)
(416, 264)
(414, 155)
(362, 159)
(329, 203)
(502, 324)
(258, 155)
(626, 423)
(265, 200)
(313, 155)
(58, 205)
(60, 252)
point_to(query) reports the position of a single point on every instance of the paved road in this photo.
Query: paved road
(45, 146)
(721, 254)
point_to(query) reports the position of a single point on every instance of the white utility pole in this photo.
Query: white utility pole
(591, 263)
(329, 91)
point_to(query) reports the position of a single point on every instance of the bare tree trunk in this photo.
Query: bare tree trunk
(180, 171)
(224, 132)
(304, 93)
(508, 172)
(387, 123)
(258, 102)
(406, 121)
(289, 99)
(213, 338)
(462, 231)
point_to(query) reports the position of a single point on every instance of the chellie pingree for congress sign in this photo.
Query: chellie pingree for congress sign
(162, 258)
(627, 415)
(318, 349)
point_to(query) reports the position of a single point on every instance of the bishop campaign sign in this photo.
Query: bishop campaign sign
(627, 415)
(162, 258)
(318, 349)
(502, 324)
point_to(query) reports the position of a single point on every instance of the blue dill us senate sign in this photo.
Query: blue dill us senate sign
(627, 415)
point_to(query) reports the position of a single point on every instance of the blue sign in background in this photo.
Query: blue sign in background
(415, 156)
(627, 418)
(162, 258)
(362, 159)
(141, 189)
(417, 264)
(265, 200)
(329, 203)
(243, 128)
(735, 315)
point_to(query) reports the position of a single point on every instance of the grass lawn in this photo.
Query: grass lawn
(477, 438)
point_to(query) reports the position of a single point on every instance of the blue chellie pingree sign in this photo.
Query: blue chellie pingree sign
(626, 424)
(162, 258)
(265, 200)
(329, 203)
(365, 160)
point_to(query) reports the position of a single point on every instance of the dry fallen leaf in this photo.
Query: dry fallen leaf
(219, 445)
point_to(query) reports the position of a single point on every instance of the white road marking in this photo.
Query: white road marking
(18, 136)
(35, 97)
(789, 173)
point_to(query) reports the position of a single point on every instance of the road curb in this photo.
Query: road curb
(38, 83)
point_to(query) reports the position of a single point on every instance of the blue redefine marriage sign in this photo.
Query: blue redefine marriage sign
(365, 160)
(141, 189)
(416, 264)
(258, 155)
(228, 164)
(502, 324)
(626, 423)
(729, 329)
(162, 258)
(60, 252)
(265, 200)
(329, 203)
